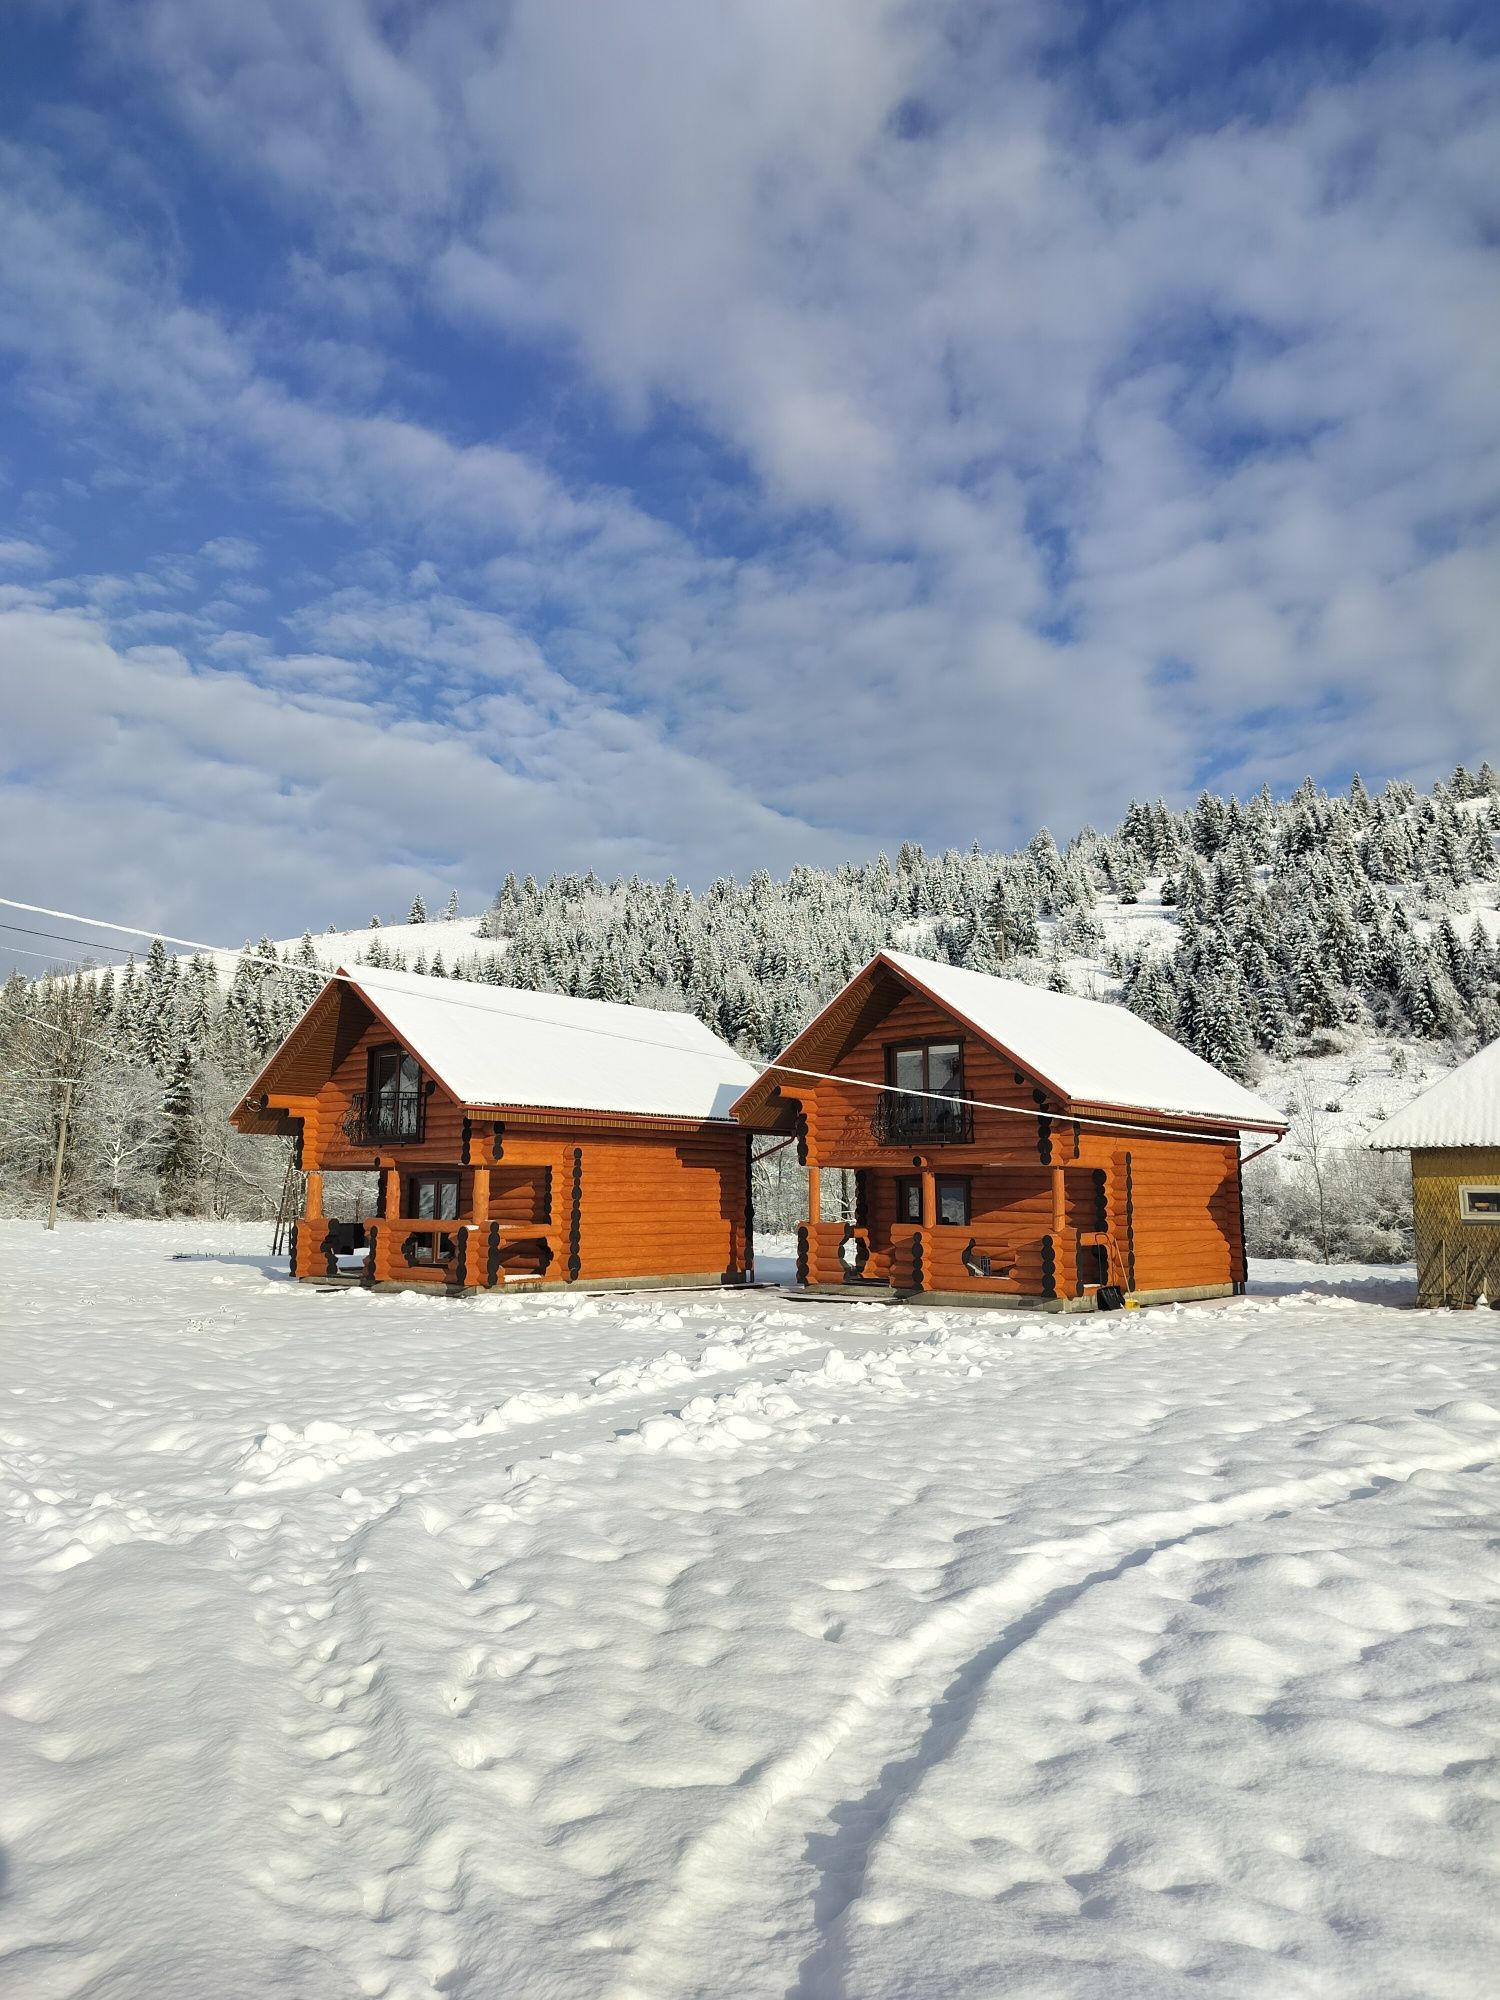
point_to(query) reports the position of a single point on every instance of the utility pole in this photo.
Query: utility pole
(62, 1140)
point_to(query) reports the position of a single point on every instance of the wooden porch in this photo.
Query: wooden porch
(471, 1250)
(1048, 1243)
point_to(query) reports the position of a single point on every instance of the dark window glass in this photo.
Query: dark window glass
(1482, 1202)
(944, 1068)
(907, 1069)
(908, 1201)
(396, 1074)
(394, 1109)
(931, 1072)
(433, 1197)
(953, 1201)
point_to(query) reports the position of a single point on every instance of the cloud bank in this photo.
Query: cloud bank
(461, 438)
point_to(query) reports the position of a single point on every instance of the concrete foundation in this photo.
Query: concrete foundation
(1010, 1301)
(688, 1281)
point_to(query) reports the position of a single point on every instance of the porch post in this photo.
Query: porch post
(807, 1236)
(312, 1231)
(479, 1209)
(381, 1265)
(929, 1198)
(1063, 1278)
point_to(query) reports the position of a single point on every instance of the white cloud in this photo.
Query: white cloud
(231, 552)
(1013, 403)
(236, 799)
(16, 553)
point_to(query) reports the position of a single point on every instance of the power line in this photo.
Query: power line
(51, 958)
(59, 937)
(489, 1007)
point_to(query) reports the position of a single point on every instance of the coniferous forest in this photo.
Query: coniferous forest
(1261, 933)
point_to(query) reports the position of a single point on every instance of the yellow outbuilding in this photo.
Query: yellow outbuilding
(1452, 1132)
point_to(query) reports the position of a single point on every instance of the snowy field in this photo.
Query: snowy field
(359, 1646)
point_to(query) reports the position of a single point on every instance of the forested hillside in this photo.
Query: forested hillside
(1324, 948)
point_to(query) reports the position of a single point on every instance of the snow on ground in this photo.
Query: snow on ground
(698, 1644)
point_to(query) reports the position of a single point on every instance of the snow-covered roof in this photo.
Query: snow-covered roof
(1460, 1109)
(497, 1045)
(1092, 1051)
(1089, 1051)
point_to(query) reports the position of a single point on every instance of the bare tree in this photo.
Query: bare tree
(1311, 1144)
(49, 1056)
(120, 1137)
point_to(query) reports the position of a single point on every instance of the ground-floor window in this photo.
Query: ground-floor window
(431, 1198)
(1479, 1204)
(952, 1199)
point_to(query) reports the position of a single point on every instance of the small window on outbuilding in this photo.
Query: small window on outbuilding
(1479, 1204)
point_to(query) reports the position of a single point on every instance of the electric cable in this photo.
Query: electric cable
(488, 1007)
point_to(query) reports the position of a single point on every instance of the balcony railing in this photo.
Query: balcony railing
(385, 1120)
(903, 1120)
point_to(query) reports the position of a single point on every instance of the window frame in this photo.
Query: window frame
(1468, 1188)
(926, 1044)
(437, 1177)
(439, 1247)
(920, 1110)
(408, 1130)
(939, 1182)
(963, 1181)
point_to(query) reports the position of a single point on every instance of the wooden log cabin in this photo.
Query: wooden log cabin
(1007, 1143)
(517, 1138)
(1452, 1132)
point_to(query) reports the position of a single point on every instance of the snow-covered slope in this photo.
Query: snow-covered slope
(685, 1646)
(457, 939)
(1352, 1088)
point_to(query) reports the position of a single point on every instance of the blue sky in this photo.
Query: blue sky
(441, 438)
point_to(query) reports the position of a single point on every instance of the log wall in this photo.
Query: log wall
(1162, 1208)
(843, 1113)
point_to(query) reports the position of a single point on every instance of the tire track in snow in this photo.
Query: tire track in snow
(284, 1460)
(940, 1641)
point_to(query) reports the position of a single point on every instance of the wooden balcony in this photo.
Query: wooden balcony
(900, 1119)
(386, 1119)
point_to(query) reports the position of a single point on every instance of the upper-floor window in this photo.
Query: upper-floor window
(394, 1099)
(925, 1086)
